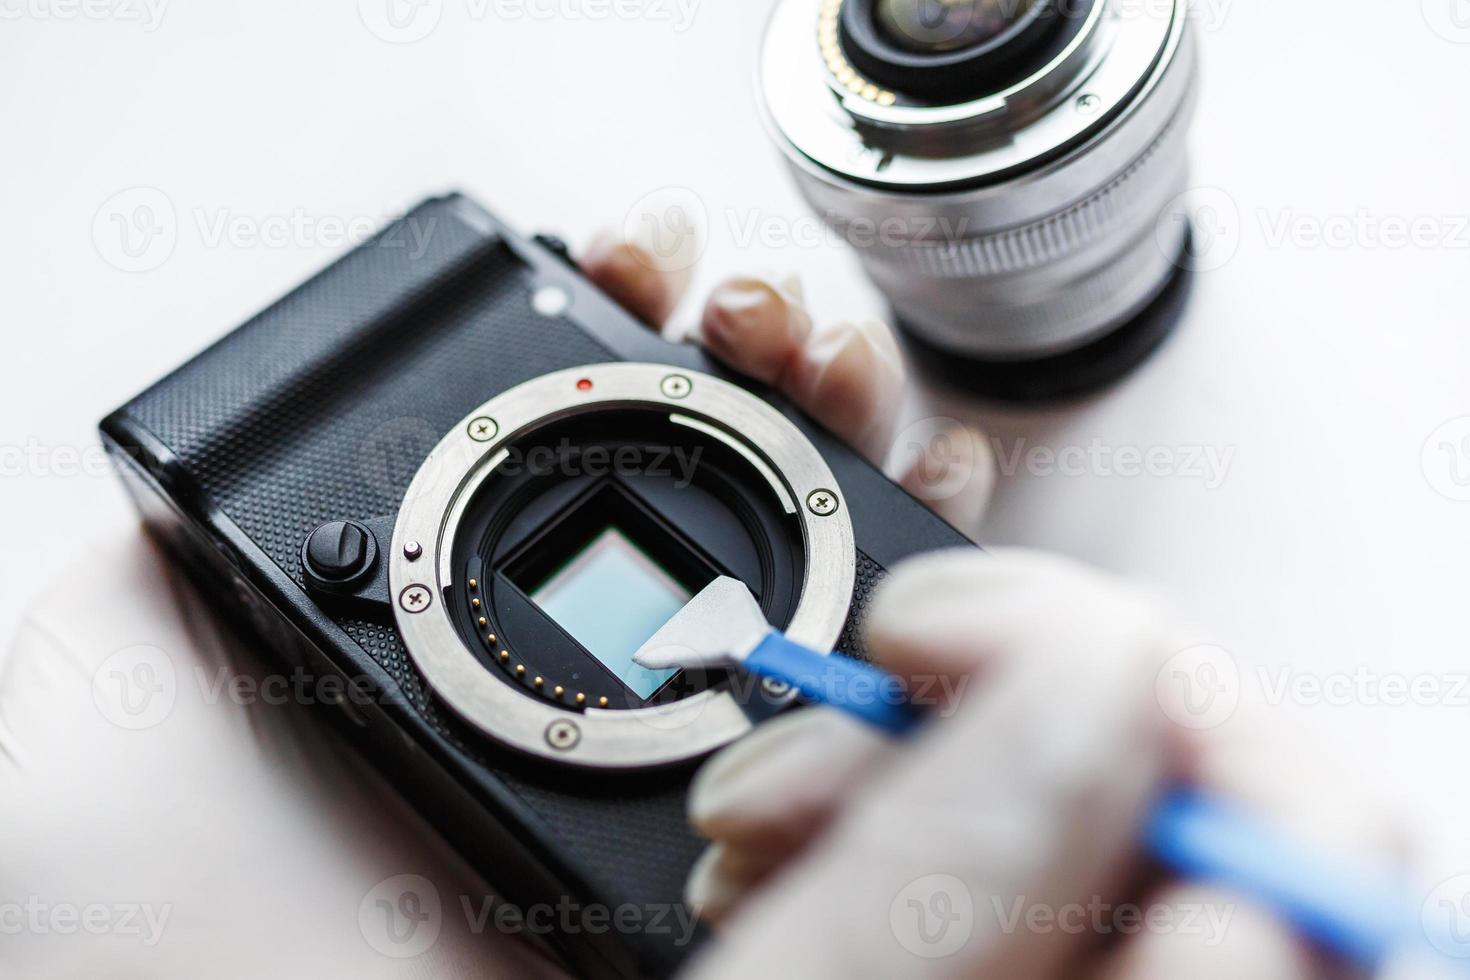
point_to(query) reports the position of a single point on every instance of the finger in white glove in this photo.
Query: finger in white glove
(915, 859)
(1029, 795)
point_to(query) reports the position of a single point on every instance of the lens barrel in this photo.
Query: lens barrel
(1017, 216)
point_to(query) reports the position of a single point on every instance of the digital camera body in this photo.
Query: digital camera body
(453, 477)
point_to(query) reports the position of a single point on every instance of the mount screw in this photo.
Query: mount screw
(823, 503)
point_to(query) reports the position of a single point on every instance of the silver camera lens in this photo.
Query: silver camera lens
(1010, 171)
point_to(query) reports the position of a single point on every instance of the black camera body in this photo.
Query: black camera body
(300, 468)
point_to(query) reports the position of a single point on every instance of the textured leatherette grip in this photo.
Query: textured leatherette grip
(324, 406)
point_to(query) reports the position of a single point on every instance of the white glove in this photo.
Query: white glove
(161, 819)
(1000, 841)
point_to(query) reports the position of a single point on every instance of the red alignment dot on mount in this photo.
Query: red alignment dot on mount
(584, 385)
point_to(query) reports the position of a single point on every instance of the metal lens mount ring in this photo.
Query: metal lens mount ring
(440, 493)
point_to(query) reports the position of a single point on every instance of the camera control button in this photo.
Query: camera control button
(556, 246)
(338, 550)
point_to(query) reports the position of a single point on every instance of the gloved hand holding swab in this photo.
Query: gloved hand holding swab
(1364, 915)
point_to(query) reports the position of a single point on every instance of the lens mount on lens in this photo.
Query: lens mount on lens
(1101, 67)
(944, 52)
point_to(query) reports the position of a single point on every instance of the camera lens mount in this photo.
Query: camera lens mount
(460, 503)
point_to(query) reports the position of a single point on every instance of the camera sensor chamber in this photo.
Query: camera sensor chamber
(568, 519)
(591, 532)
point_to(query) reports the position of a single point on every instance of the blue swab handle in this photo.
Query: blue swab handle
(1362, 916)
(860, 689)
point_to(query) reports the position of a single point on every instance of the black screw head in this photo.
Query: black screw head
(339, 551)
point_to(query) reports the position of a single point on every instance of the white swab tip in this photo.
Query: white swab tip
(717, 628)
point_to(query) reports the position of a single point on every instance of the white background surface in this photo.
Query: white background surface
(1322, 371)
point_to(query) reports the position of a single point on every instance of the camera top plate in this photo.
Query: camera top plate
(421, 571)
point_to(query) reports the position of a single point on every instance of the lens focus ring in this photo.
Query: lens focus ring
(1047, 240)
(1053, 283)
